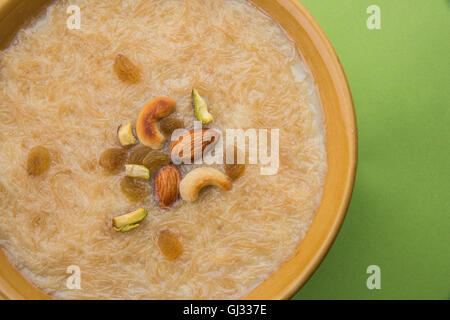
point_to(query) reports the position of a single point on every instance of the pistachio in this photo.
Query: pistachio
(201, 108)
(137, 171)
(125, 135)
(129, 221)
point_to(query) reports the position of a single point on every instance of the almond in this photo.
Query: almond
(167, 181)
(193, 144)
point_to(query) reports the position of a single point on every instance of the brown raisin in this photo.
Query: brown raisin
(126, 70)
(169, 245)
(113, 159)
(138, 154)
(135, 189)
(38, 161)
(169, 125)
(234, 171)
(155, 160)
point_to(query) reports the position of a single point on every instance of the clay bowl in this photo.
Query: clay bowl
(341, 143)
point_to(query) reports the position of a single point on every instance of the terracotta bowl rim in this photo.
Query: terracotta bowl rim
(298, 280)
(301, 279)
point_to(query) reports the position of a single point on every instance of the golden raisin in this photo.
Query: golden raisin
(38, 161)
(169, 125)
(126, 70)
(113, 159)
(234, 171)
(155, 160)
(138, 154)
(169, 245)
(135, 189)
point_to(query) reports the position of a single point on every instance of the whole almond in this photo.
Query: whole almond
(194, 144)
(167, 181)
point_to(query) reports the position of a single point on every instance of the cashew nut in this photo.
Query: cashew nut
(147, 127)
(125, 135)
(198, 178)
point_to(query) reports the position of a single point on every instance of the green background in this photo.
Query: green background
(399, 216)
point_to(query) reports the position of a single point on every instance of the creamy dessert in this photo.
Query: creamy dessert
(87, 177)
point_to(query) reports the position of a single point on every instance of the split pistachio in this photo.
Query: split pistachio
(201, 108)
(137, 171)
(129, 221)
(125, 135)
